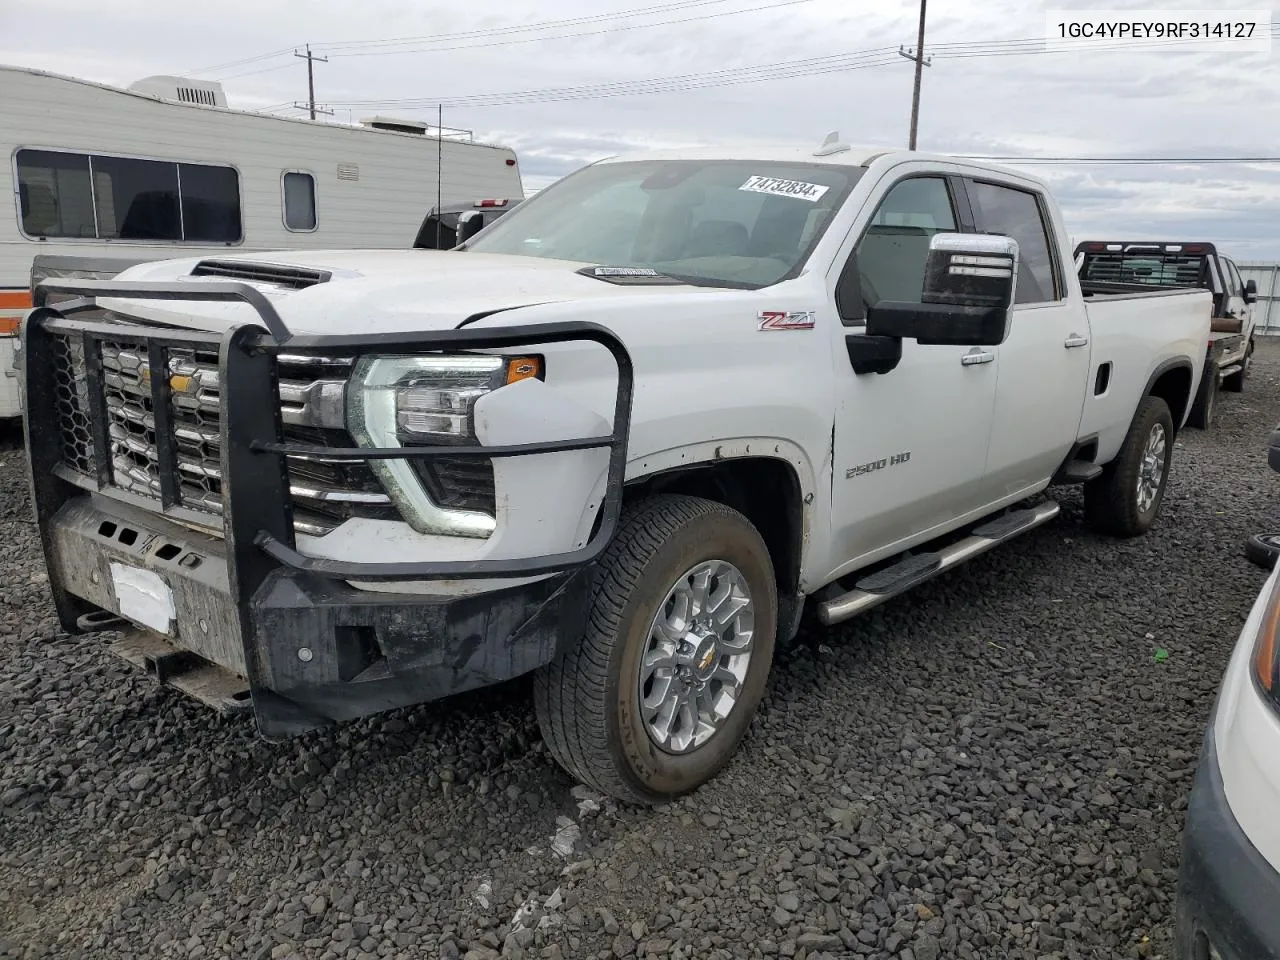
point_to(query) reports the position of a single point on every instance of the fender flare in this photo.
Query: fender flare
(1176, 363)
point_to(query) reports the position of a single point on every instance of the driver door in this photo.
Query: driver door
(910, 445)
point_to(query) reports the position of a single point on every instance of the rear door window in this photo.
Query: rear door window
(1019, 214)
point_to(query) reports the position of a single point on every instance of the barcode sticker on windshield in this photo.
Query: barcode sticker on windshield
(785, 188)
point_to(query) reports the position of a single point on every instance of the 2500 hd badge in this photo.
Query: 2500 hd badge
(865, 468)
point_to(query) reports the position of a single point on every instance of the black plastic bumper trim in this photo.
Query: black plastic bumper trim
(1228, 893)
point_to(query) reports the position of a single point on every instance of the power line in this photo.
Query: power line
(252, 73)
(235, 63)
(529, 27)
(811, 66)
(806, 67)
(478, 33)
(565, 36)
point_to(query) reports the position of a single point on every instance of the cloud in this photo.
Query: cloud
(1114, 103)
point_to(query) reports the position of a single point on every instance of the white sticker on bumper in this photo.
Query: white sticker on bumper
(142, 596)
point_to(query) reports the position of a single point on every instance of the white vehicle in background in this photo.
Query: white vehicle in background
(103, 178)
(618, 438)
(1228, 905)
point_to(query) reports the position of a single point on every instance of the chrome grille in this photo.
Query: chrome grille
(311, 390)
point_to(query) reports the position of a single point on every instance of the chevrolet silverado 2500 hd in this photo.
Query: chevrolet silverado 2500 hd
(616, 439)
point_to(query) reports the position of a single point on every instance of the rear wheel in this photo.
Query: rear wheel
(1206, 402)
(654, 699)
(1126, 499)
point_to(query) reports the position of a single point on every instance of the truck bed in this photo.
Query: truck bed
(1136, 330)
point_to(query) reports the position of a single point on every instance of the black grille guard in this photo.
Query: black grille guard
(257, 513)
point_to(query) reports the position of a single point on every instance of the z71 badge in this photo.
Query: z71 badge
(784, 320)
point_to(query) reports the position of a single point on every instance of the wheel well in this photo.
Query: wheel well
(763, 489)
(1174, 388)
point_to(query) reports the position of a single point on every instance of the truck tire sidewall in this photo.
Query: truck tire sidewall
(713, 537)
(1263, 549)
(1155, 411)
(1207, 401)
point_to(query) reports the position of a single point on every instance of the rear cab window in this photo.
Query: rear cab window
(1020, 213)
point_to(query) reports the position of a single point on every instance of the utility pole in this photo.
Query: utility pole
(311, 58)
(916, 56)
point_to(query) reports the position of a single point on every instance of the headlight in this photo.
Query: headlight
(415, 401)
(1266, 656)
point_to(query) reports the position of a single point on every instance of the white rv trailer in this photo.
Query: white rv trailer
(111, 177)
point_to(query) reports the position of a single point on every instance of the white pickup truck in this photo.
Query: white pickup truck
(616, 439)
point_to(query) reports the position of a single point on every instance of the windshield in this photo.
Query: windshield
(731, 223)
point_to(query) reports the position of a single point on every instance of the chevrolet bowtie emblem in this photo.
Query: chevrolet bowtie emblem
(178, 382)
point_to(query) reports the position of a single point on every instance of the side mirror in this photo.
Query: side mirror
(469, 224)
(1251, 291)
(969, 286)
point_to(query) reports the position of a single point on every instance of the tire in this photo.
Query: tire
(1235, 382)
(1263, 549)
(1116, 503)
(589, 700)
(1206, 402)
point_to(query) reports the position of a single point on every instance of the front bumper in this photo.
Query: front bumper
(310, 648)
(1228, 905)
(318, 651)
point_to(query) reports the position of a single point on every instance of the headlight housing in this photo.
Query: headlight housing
(1266, 655)
(427, 400)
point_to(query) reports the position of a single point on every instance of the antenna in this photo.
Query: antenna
(831, 145)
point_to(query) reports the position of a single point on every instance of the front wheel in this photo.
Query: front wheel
(653, 700)
(1125, 500)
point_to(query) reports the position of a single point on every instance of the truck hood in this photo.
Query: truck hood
(406, 290)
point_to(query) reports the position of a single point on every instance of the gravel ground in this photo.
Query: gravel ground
(994, 766)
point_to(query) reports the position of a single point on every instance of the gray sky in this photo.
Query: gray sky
(1168, 102)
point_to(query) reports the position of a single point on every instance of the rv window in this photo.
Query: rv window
(137, 199)
(210, 203)
(121, 198)
(299, 201)
(55, 196)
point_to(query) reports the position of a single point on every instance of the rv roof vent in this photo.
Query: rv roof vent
(390, 123)
(182, 89)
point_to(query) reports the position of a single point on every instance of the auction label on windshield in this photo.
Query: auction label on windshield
(1197, 31)
(785, 188)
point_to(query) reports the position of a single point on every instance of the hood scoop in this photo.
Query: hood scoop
(277, 274)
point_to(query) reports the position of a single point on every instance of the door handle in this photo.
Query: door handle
(1075, 340)
(977, 355)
